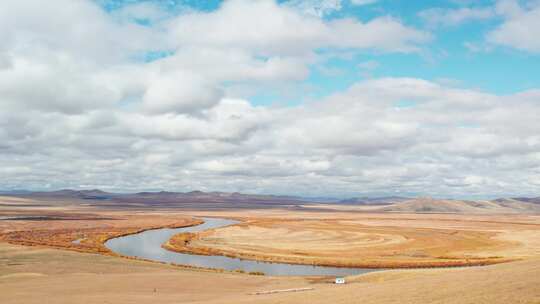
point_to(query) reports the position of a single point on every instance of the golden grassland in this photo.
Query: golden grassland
(34, 275)
(46, 271)
(371, 240)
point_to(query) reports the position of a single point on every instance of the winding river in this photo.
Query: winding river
(147, 245)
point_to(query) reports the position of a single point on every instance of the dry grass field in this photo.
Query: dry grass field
(31, 275)
(52, 269)
(85, 232)
(371, 240)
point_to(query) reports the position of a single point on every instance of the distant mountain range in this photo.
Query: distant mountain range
(227, 200)
(164, 199)
(533, 200)
(15, 192)
(96, 194)
(385, 200)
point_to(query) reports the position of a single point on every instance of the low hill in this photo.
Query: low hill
(430, 205)
(532, 200)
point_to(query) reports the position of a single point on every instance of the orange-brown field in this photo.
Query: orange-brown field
(380, 241)
(89, 231)
(50, 268)
(370, 240)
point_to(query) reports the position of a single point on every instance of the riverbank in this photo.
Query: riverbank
(332, 239)
(91, 231)
(148, 245)
(360, 244)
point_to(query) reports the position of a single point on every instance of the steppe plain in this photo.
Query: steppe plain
(415, 238)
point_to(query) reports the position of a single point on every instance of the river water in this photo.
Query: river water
(147, 245)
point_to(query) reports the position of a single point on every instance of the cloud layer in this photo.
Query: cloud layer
(92, 99)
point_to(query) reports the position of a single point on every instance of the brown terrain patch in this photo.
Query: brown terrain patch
(81, 231)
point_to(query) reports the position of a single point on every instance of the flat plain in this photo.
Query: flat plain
(373, 240)
(39, 260)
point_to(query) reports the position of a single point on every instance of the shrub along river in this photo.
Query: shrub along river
(147, 245)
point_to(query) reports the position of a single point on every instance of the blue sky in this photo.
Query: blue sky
(445, 58)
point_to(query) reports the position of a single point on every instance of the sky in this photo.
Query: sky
(333, 98)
